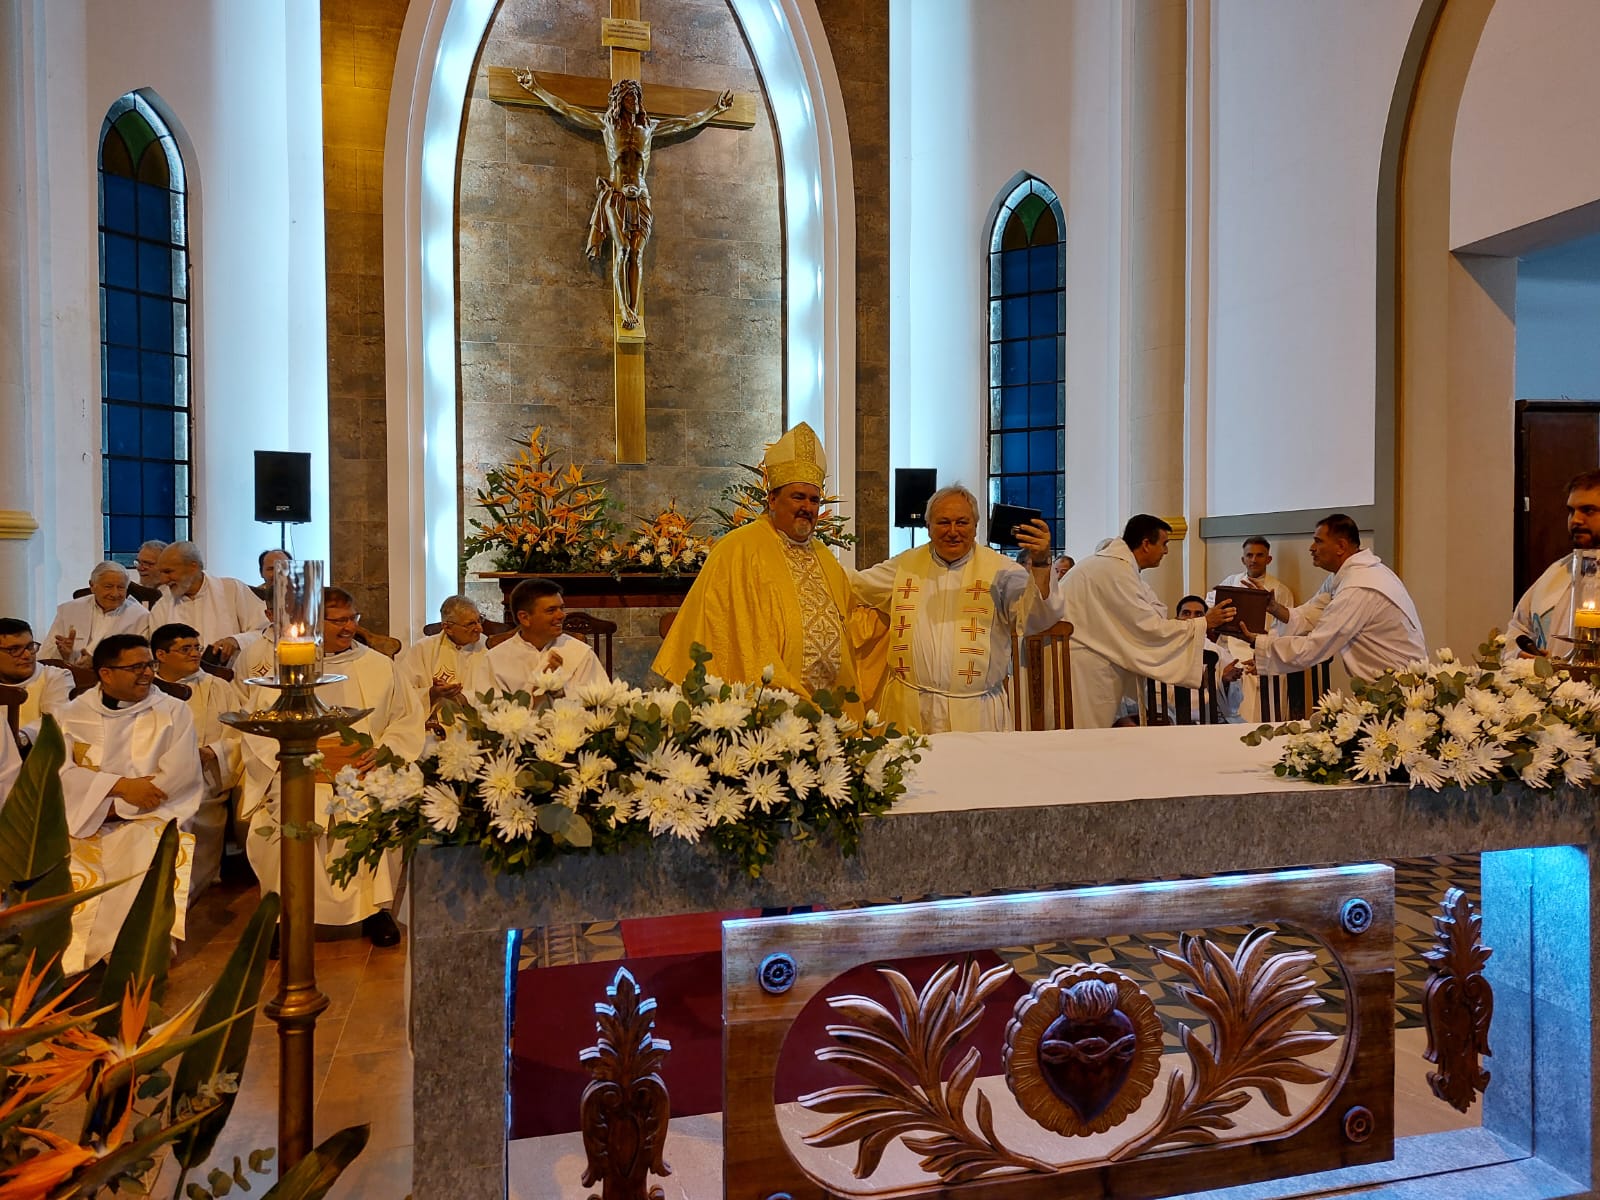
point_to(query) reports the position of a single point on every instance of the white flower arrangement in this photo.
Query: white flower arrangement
(1445, 723)
(526, 775)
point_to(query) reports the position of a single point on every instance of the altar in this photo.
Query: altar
(1036, 812)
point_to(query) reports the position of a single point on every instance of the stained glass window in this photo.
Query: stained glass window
(1027, 354)
(147, 482)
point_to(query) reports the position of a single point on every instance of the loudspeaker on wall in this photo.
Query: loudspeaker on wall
(283, 487)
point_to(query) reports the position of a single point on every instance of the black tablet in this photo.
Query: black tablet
(1003, 522)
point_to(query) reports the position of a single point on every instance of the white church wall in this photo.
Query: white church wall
(1301, 96)
(1524, 144)
(980, 90)
(241, 86)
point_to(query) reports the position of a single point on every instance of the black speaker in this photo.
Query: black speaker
(912, 487)
(283, 487)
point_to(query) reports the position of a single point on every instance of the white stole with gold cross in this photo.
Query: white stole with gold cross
(969, 608)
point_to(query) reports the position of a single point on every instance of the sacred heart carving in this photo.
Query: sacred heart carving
(1082, 1049)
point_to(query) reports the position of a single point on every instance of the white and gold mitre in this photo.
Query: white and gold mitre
(796, 457)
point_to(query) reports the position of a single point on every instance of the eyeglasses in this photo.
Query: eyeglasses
(183, 648)
(20, 651)
(352, 619)
(464, 624)
(137, 668)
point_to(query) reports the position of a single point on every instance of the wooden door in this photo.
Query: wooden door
(1556, 439)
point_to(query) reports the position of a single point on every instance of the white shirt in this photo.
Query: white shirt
(209, 698)
(1351, 616)
(154, 736)
(93, 625)
(222, 608)
(511, 665)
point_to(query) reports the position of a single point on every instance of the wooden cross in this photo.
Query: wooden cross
(625, 36)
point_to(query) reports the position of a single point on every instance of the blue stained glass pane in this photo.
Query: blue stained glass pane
(1042, 312)
(161, 529)
(155, 268)
(1042, 404)
(119, 260)
(1013, 272)
(1014, 489)
(155, 323)
(1014, 452)
(122, 535)
(1042, 360)
(1015, 317)
(158, 487)
(122, 430)
(123, 495)
(1042, 494)
(1014, 408)
(155, 212)
(157, 426)
(122, 318)
(155, 371)
(122, 373)
(118, 202)
(1041, 265)
(1042, 452)
(1015, 362)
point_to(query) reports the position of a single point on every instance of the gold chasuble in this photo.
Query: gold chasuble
(761, 599)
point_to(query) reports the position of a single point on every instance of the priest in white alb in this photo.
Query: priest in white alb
(83, 621)
(48, 688)
(440, 667)
(540, 658)
(396, 722)
(1362, 613)
(953, 607)
(1121, 634)
(132, 764)
(1541, 624)
(221, 608)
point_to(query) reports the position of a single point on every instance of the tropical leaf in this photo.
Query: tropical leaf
(125, 1159)
(313, 1175)
(29, 914)
(33, 821)
(144, 943)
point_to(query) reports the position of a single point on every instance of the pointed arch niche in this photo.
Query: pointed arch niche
(438, 47)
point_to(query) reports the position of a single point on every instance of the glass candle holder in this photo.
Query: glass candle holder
(297, 617)
(1585, 632)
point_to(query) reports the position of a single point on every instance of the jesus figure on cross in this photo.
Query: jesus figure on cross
(622, 200)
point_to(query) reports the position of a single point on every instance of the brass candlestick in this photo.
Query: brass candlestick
(296, 722)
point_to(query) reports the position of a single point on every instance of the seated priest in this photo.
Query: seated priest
(176, 649)
(147, 563)
(1256, 558)
(538, 647)
(770, 594)
(372, 680)
(1362, 613)
(1229, 669)
(1121, 634)
(440, 667)
(48, 687)
(83, 621)
(10, 764)
(219, 607)
(1541, 624)
(953, 608)
(132, 765)
(268, 562)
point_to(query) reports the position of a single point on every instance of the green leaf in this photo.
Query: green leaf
(123, 1160)
(15, 918)
(33, 822)
(144, 943)
(221, 1182)
(260, 1158)
(318, 1171)
(236, 991)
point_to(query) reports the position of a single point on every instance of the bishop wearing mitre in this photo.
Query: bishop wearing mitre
(770, 593)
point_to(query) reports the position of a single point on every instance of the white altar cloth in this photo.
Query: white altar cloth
(965, 771)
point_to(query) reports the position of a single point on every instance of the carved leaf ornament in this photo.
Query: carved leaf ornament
(1458, 1003)
(625, 1108)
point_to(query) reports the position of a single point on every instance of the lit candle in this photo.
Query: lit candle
(1587, 617)
(297, 656)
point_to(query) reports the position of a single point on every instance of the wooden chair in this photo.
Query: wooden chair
(495, 639)
(178, 691)
(146, 596)
(83, 676)
(1041, 679)
(381, 642)
(1291, 697)
(12, 699)
(597, 631)
(665, 623)
(490, 628)
(1165, 705)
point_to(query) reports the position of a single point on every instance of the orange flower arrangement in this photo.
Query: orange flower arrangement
(540, 518)
(668, 544)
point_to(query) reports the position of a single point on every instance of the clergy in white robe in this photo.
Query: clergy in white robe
(1121, 634)
(440, 667)
(82, 622)
(48, 687)
(1542, 619)
(177, 653)
(953, 609)
(132, 764)
(219, 607)
(396, 722)
(1362, 613)
(538, 647)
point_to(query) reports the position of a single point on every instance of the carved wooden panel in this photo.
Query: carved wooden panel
(1082, 1053)
(1458, 1003)
(625, 1108)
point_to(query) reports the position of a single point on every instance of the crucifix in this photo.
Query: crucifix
(615, 109)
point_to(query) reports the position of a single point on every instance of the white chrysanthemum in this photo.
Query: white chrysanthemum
(682, 818)
(872, 769)
(757, 748)
(1519, 669)
(1370, 762)
(591, 769)
(497, 781)
(1459, 721)
(650, 801)
(827, 740)
(802, 778)
(765, 790)
(1537, 772)
(457, 756)
(728, 762)
(516, 723)
(1485, 703)
(724, 804)
(620, 805)
(1445, 655)
(1420, 696)
(1331, 703)
(709, 746)
(1346, 726)
(1451, 751)
(1577, 770)
(607, 694)
(1520, 704)
(1423, 770)
(442, 808)
(545, 683)
(1379, 732)
(791, 733)
(721, 714)
(1575, 692)
(516, 818)
(873, 720)
(666, 699)
(1563, 737)
(833, 781)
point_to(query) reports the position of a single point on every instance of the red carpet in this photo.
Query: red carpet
(554, 1020)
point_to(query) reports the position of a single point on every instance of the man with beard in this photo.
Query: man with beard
(1542, 621)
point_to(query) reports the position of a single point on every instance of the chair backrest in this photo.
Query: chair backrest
(1166, 705)
(1291, 697)
(597, 631)
(1041, 678)
(495, 639)
(381, 642)
(12, 699)
(665, 623)
(490, 628)
(178, 691)
(83, 676)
